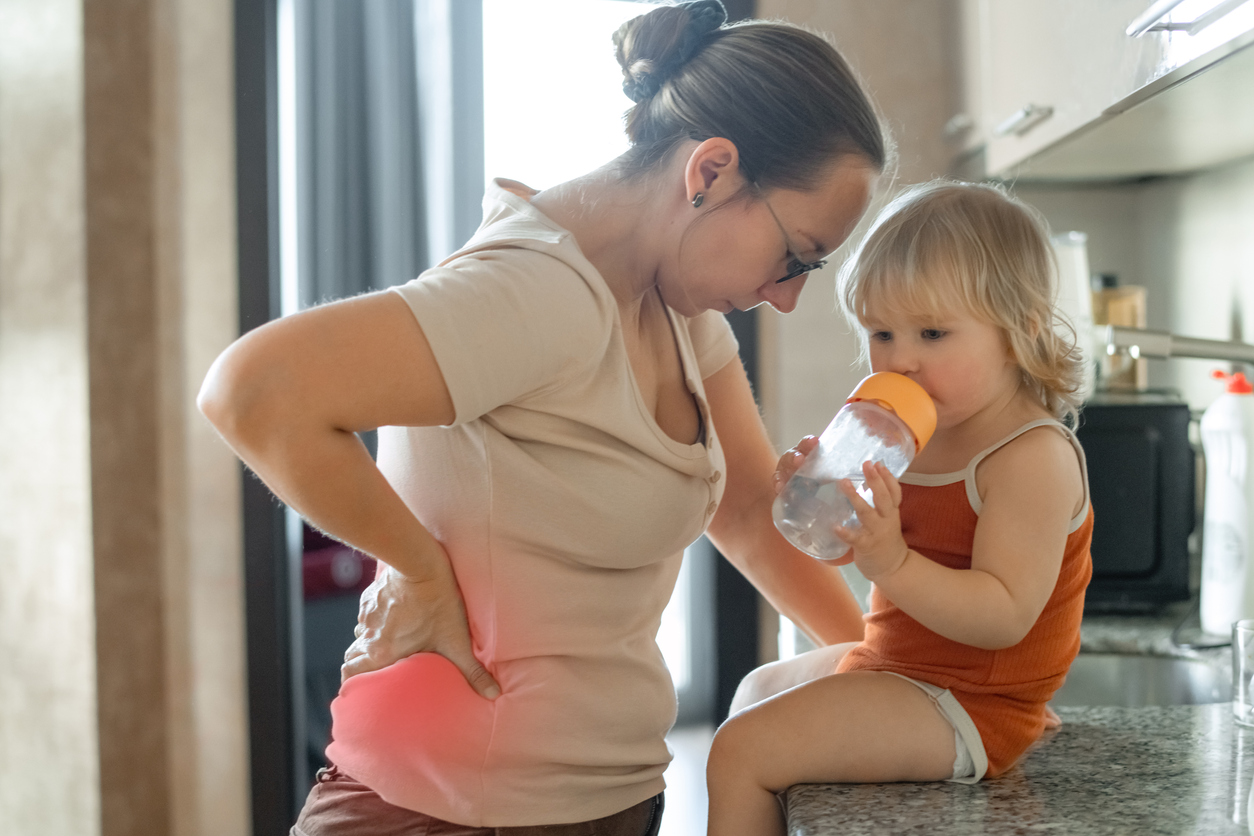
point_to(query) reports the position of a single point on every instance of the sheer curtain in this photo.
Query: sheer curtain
(387, 139)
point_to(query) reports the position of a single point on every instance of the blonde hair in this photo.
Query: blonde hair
(949, 246)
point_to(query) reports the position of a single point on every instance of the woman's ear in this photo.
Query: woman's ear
(713, 170)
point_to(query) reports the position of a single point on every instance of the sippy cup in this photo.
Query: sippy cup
(888, 418)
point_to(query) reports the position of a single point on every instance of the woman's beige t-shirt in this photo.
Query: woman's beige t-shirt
(565, 510)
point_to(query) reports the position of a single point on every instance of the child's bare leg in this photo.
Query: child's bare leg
(865, 726)
(777, 677)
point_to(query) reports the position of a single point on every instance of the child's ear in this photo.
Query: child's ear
(1034, 328)
(1011, 357)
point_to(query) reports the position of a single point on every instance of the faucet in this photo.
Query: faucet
(1143, 343)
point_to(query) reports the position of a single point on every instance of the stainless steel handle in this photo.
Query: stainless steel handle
(1142, 343)
(958, 124)
(1149, 21)
(1024, 119)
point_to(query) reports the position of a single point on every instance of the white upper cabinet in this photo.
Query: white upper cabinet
(1042, 78)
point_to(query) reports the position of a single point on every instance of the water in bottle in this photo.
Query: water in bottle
(888, 418)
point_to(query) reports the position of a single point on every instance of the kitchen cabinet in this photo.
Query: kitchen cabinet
(1043, 74)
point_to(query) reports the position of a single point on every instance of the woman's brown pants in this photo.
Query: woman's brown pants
(339, 806)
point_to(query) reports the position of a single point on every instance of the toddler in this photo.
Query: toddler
(979, 555)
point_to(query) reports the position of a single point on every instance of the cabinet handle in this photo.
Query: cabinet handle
(1150, 16)
(1024, 119)
(958, 124)
(1149, 21)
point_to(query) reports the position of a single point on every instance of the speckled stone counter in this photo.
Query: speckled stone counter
(1158, 771)
(1107, 772)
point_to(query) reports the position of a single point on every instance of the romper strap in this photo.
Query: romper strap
(973, 494)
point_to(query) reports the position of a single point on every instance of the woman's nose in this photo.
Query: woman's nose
(783, 296)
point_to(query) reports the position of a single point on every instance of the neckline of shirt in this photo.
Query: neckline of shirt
(515, 195)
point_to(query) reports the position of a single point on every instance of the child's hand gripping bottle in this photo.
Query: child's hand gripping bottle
(888, 418)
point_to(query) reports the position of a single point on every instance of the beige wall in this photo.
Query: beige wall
(47, 629)
(123, 708)
(1187, 240)
(906, 53)
(208, 548)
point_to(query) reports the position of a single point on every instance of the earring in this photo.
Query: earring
(698, 200)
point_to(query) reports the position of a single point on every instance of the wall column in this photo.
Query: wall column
(123, 711)
(49, 775)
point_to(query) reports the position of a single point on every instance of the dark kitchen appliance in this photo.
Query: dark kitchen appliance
(1141, 469)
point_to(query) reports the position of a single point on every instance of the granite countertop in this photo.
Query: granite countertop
(1109, 770)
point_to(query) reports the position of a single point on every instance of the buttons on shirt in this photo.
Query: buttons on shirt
(711, 508)
(715, 476)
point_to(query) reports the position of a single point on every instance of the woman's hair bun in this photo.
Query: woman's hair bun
(781, 93)
(652, 47)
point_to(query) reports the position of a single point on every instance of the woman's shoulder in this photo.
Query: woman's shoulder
(536, 277)
(507, 321)
(519, 247)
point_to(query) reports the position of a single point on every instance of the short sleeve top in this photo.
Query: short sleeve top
(565, 510)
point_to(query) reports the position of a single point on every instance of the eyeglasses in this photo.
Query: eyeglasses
(796, 267)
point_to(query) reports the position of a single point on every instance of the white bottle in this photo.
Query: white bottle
(1249, 812)
(888, 418)
(1075, 301)
(1227, 593)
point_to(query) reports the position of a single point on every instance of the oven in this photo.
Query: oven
(1142, 477)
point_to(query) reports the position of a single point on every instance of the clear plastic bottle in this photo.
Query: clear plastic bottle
(888, 418)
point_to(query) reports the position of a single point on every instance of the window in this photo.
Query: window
(553, 110)
(553, 104)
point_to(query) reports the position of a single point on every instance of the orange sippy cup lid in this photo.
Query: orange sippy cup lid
(903, 397)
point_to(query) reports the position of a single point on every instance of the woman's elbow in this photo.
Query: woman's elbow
(230, 396)
(212, 400)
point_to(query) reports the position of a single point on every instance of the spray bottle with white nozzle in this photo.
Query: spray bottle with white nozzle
(1227, 593)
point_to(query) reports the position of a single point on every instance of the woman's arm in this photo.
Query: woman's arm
(1030, 488)
(813, 595)
(289, 397)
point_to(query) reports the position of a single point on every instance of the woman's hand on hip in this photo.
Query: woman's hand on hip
(401, 616)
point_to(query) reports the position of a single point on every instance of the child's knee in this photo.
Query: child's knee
(747, 692)
(731, 750)
(759, 684)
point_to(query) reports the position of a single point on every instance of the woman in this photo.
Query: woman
(561, 413)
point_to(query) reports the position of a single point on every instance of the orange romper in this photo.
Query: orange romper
(1004, 691)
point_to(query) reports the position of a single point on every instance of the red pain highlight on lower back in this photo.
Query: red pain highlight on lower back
(417, 718)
